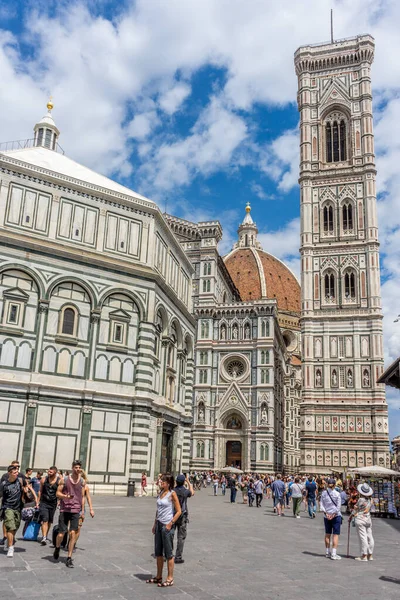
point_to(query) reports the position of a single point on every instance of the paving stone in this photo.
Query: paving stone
(231, 552)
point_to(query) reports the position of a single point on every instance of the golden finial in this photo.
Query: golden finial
(248, 207)
(50, 104)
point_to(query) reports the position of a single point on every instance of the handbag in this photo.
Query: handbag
(32, 531)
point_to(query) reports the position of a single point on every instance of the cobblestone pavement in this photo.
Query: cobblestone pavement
(231, 552)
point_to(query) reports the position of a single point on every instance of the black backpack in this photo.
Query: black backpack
(182, 497)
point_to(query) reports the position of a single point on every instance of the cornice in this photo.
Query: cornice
(57, 181)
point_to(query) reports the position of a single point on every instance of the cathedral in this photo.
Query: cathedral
(247, 366)
(128, 341)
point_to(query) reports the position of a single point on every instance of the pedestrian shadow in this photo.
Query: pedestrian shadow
(142, 576)
(323, 555)
(18, 550)
(390, 579)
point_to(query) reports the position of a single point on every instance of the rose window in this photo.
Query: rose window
(235, 368)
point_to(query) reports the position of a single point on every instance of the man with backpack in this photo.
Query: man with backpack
(48, 501)
(183, 494)
(70, 492)
(12, 490)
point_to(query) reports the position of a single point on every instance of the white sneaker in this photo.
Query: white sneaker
(327, 555)
(336, 557)
(361, 558)
(298, 517)
(10, 552)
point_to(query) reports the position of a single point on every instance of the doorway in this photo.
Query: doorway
(166, 449)
(234, 454)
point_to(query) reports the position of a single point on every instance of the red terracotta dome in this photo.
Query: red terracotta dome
(258, 274)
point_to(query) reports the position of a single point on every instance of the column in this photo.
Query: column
(85, 430)
(94, 320)
(160, 423)
(30, 420)
(43, 309)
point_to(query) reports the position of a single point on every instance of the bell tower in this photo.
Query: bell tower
(344, 420)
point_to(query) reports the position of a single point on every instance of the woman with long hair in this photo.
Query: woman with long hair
(168, 512)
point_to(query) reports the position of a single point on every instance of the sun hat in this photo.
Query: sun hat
(364, 489)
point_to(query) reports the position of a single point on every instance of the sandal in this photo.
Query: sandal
(157, 580)
(166, 583)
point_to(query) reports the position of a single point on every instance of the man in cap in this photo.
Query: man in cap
(183, 490)
(330, 505)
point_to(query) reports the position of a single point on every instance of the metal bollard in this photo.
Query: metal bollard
(131, 488)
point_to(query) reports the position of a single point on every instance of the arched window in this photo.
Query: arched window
(264, 375)
(206, 285)
(328, 134)
(68, 321)
(263, 357)
(328, 219)
(200, 449)
(266, 452)
(262, 452)
(347, 216)
(203, 375)
(349, 286)
(265, 329)
(335, 138)
(329, 282)
(207, 268)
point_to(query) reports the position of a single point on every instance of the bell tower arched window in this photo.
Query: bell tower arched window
(336, 138)
(347, 216)
(349, 285)
(328, 219)
(329, 283)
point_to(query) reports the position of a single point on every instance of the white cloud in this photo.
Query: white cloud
(96, 69)
(209, 147)
(142, 125)
(173, 98)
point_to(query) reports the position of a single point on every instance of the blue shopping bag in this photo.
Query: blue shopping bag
(32, 531)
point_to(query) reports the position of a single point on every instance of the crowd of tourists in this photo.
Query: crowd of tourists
(35, 500)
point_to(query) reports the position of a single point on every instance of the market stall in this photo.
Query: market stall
(386, 486)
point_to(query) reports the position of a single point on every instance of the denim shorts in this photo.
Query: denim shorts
(333, 525)
(164, 541)
(279, 500)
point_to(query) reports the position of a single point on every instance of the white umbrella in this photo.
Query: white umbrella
(230, 470)
(374, 471)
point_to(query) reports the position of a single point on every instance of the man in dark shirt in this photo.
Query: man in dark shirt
(11, 490)
(48, 501)
(183, 494)
(311, 489)
(15, 463)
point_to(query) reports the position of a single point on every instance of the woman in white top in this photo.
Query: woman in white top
(168, 512)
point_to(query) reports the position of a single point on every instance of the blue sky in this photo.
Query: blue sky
(193, 103)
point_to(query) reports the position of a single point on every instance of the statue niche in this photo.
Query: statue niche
(201, 412)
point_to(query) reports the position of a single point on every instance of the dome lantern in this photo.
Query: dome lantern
(46, 131)
(248, 231)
